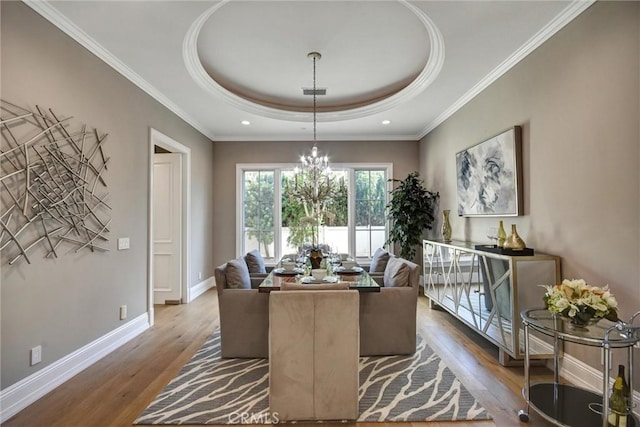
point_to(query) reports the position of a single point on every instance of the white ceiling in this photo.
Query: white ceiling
(217, 63)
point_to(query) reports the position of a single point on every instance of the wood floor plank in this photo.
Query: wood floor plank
(116, 389)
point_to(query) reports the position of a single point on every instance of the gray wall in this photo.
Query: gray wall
(403, 155)
(577, 98)
(65, 303)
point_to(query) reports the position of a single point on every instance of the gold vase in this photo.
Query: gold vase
(514, 241)
(502, 235)
(446, 226)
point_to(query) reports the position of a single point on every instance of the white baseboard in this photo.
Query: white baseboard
(536, 345)
(18, 396)
(201, 288)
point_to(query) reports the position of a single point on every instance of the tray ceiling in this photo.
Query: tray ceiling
(216, 64)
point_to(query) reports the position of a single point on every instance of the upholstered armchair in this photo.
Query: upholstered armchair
(244, 312)
(313, 354)
(388, 317)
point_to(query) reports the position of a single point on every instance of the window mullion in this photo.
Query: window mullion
(277, 213)
(351, 216)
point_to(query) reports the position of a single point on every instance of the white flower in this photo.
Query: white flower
(561, 304)
(576, 298)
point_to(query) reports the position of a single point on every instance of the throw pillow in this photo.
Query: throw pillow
(379, 261)
(397, 273)
(238, 274)
(255, 262)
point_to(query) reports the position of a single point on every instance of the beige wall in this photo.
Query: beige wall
(577, 98)
(403, 155)
(65, 303)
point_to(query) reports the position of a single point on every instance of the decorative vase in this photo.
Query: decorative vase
(315, 257)
(446, 226)
(502, 235)
(580, 324)
(514, 241)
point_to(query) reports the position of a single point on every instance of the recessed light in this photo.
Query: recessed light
(246, 122)
(386, 122)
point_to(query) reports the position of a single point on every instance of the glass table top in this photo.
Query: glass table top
(615, 334)
(362, 282)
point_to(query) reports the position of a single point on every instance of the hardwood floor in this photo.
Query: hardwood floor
(115, 390)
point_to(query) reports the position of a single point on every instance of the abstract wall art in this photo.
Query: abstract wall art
(53, 190)
(489, 176)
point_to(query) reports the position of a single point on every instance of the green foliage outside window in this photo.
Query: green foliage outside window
(297, 210)
(259, 197)
(370, 201)
(259, 202)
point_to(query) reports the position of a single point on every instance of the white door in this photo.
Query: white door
(167, 233)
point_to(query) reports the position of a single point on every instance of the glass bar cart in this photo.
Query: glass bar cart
(568, 405)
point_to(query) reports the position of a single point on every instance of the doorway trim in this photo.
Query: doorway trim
(163, 141)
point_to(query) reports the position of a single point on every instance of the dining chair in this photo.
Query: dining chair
(314, 341)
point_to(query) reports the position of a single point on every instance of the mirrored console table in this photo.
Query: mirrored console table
(487, 291)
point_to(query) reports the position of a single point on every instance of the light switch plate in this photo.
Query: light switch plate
(123, 243)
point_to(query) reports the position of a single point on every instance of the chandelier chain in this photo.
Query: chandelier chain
(314, 98)
(316, 165)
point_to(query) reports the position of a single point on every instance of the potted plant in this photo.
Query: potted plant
(410, 210)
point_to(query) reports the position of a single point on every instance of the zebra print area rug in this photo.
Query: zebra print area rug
(211, 390)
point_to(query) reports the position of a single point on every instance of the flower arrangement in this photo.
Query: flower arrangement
(580, 302)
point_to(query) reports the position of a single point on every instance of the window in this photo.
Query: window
(258, 231)
(270, 216)
(370, 202)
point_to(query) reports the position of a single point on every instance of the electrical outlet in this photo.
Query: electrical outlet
(123, 243)
(200, 275)
(123, 312)
(36, 355)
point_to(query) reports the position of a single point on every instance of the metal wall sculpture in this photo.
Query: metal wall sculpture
(52, 185)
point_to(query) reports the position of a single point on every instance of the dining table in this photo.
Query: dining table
(357, 277)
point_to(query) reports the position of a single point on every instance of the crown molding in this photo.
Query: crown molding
(50, 13)
(336, 137)
(567, 15)
(428, 74)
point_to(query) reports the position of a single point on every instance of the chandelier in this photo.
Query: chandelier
(316, 165)
(314, 187)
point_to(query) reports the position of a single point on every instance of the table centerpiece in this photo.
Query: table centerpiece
(579, 303)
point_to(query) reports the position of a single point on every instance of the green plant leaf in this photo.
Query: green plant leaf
(411, 211)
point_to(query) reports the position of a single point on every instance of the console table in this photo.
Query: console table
(487, 291)
(564, 404)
